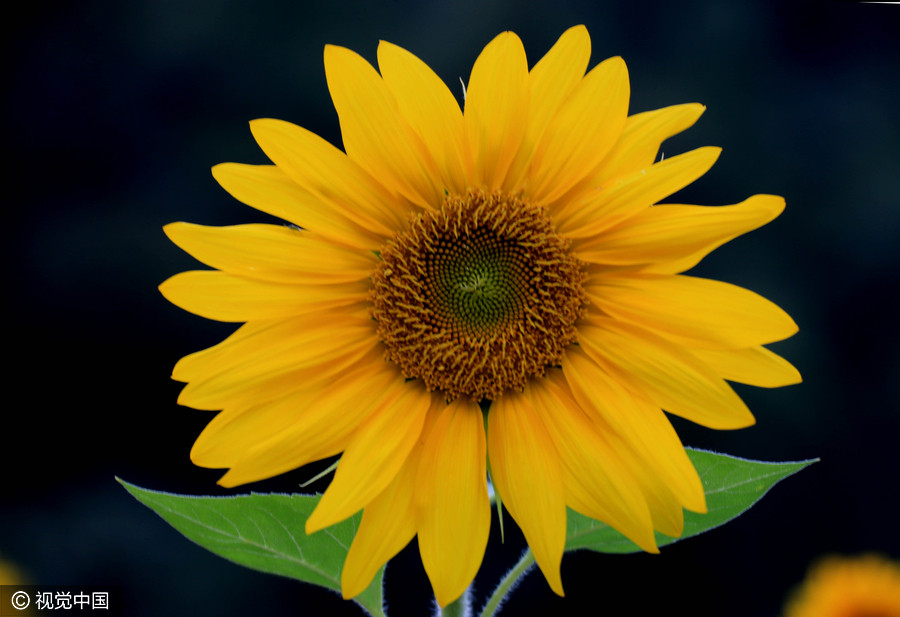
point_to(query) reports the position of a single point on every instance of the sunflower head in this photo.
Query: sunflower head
(512, 255)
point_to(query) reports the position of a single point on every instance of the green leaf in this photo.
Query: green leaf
(265, 532)
(732, 485)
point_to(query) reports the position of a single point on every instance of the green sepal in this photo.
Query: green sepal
(265, 533)
(732, 485)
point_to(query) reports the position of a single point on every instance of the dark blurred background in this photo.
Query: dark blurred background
(114, 113)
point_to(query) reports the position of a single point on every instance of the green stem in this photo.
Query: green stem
(508, 583)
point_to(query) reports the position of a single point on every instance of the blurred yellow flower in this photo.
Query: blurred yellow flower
(11, 575)
(865, 586)
(510, 254)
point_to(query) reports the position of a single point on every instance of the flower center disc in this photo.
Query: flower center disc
(477, 297)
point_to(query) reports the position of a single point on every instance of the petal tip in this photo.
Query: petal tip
(616, 64)
(173, 228)
(553, 576)
(775, 202)
(262, 125)
(216, 169)
(311, 527)
(229, 480)
(318, 520)
(165, 287)
(386, 45)
(695, 110)
(337, 53)
(509, 40)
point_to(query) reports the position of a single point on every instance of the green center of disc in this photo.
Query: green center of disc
(477, 283)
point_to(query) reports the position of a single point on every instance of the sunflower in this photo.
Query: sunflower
(864, 586)
(463, 294)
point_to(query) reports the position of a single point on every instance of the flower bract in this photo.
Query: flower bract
(492, 289)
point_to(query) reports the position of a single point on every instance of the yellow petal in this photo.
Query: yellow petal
(223, 297)
(582, 132)
(672, 378)
(496, 109)
(242, 343)
(323, 427)
(692, 311)
(756, 366)
(345, 190)
(269, 189)
(642, 426)
(666, 512)
(640, 140)
(556, 75)
(234, 431)
(455, 510)
(310, 378)
(552, 79)
(429, 108)
(388, 524)
(261, 413)
(610, 206)
(595, 478)
(205, 362)
(271, 253)
(659, 507)
(373, 457)
(300, 352)
(674, 238)
(375, 134)
(526, 471)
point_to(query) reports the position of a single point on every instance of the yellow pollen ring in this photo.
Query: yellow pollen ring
(478, 297)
